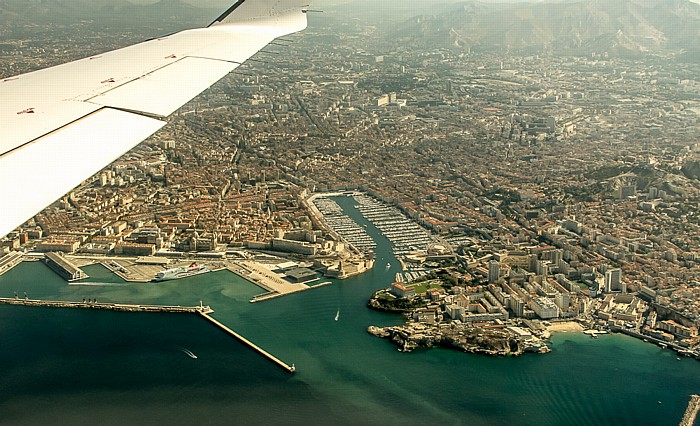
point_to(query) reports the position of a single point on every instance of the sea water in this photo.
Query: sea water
(63, 366)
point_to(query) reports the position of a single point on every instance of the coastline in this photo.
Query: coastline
(353, 366)
(565, 327)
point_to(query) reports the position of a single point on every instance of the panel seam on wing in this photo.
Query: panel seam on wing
(131, 81)
(230, 61)
(137, 112)
(29, 142)
(58, 129)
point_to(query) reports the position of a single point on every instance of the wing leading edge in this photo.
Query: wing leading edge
(61, 125)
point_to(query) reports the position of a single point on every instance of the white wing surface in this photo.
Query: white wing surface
(61, 125)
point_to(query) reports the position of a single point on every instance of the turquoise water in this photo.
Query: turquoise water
(85, 367)
(100, 274)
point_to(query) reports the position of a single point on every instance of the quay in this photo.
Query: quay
(261, 351)
(266, 296)
(9, 261)
(64, 267)
(108, 306)
(691, 412)
(664, 344)
(274, 295)
(267, 280)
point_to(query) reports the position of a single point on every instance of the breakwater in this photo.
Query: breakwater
(261, 351)
(107, 306)
(201, 310)
(691, 412)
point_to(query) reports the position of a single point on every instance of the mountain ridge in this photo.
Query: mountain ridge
(618, 27)
(104, 12)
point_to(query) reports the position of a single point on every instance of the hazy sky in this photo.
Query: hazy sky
(319, 3)
(226, 3)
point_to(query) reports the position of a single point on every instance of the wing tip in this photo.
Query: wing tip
(228, 12)
(259, 9)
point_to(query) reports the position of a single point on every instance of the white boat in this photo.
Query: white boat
(388, 266)
(337, 315)
(182, 272)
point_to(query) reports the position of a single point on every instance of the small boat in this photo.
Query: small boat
(337, 315)
(388, 265)
(189, 353)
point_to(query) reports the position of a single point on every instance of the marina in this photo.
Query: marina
(405, 235)
(410, 275)
(349, 230)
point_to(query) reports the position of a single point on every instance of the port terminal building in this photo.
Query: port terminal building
(301, 275)
(64, 267)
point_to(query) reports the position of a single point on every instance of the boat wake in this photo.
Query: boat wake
(337, 315)
(189, 353)
(92, 284)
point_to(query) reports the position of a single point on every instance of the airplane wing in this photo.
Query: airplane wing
(61, 125)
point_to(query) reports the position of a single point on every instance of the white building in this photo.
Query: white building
(544, 308)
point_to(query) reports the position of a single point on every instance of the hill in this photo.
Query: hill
(619, 27)
(164, 14)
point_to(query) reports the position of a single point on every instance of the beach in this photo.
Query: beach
(565, 327)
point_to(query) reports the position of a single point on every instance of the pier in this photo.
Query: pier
(202, 310)
(107, 306)
(261, 351)
(274, 295)
(691, 412)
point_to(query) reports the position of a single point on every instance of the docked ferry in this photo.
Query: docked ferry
(182, 272)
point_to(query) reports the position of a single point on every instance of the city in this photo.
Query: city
(534, 171)
(518, 192)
